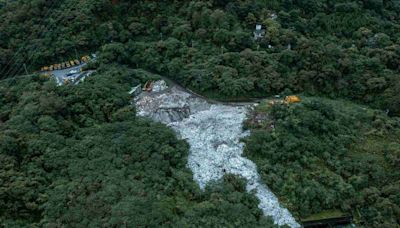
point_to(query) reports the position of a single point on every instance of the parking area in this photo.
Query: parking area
(70, 75)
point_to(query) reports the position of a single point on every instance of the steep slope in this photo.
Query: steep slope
(77, 156)
(336, 48)
(213, 132)
(321, 155)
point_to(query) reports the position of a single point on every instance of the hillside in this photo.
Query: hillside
(346, 49)
(323, 155)
(80, 156)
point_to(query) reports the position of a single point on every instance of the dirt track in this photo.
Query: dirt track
(250, 101)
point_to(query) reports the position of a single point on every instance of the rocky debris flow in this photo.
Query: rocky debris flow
(170, 106)
(159, 86)
(213, 132)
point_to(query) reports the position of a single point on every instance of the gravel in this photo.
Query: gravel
(213, 132)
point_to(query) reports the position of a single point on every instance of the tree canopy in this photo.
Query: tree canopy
(323, 155)
(78, 156)
(347, 49)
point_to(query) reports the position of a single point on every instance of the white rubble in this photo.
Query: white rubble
(213, 132)
(159, 86)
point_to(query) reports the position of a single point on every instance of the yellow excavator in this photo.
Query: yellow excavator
(288, 100)
(85, 59)
(292, 99)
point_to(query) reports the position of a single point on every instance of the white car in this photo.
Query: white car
(72, 72)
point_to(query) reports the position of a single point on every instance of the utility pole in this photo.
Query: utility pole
(26, 71)
(76, 54)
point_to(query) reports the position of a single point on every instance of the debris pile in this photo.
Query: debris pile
(213, 132)
(159, 86)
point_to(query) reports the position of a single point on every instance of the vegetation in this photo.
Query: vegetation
(77, 156)
(335, 48)
(322, 155)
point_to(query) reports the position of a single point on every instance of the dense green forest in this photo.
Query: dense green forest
(76, 156)
(335, 48)
(325, 155)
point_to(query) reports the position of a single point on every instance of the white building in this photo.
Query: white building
(259, 32)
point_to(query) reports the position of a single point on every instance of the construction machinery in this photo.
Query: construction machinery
(292, 99)
(85, 58)
(148, 86)
(67, 64)
(288, 100)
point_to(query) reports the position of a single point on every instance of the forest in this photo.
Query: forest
(77, 156)
(324, 155)
(332, 48)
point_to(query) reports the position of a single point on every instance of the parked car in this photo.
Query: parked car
(72, 72)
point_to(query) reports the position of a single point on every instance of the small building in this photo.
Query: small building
(259, 32)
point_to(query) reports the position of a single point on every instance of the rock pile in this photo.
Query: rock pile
(213, 132)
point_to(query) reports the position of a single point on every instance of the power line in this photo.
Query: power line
(14, 58)
(17, 77)
(17, 69)
(20, 49)
(8, 65)
(43, 32)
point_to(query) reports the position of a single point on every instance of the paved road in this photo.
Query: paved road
(60, 75)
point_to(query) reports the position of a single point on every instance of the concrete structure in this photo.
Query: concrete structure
(136, 90)
(259, 32)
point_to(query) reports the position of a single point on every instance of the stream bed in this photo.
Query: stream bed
(213, 132)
